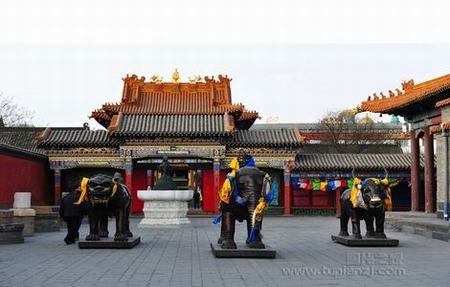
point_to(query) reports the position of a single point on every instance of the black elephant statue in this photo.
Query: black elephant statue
(248, 195)
(107, 197)
(367, 201)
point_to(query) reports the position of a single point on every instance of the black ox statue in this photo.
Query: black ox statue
(107, 197)
(367, 201)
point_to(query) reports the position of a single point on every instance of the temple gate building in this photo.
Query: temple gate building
(425, 107)
(200, 129)
(195, 124)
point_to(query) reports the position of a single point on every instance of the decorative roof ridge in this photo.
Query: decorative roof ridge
(13, 128)
(23, 151)
(440, 128)
(355, 153)
(157, 80)
(115, 123)
(442, 103)
(112, 107)
(411, 92)
(299, 137)
(43, 135)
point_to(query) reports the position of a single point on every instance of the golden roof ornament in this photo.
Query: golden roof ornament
(407, 85)
(195, 79)
(175, 76)
(156, 78)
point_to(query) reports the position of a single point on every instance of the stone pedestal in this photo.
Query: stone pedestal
(26, 217)
(23, 213)
(6, 216)
(47, 219)
(365, 241)
(109, 243)
(164, 207)
(10, 232)
(22, 200)
(242, 251)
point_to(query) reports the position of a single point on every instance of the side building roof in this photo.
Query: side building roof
(21, 141)
(359, 162)
(282, 137)
(24, 138)
(411, 94)
(172, 125)
(75, 137)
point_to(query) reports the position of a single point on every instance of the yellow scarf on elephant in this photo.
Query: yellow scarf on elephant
(227, 187)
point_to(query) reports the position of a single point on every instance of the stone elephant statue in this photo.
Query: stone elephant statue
(247, 202)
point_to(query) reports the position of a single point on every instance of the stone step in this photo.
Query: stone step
(6, 216)
(435, 229)
(11, 233)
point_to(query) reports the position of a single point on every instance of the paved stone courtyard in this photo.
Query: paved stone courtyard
(182, 257)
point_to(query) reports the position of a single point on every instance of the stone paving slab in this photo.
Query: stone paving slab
(306, 256)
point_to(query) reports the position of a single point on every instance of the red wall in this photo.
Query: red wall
(21, 174)
(139, 183)
(208, 189)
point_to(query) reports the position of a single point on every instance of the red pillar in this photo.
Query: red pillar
(149, 178)
(415, 168)
(216, 185)
(338, 202)
(129, 175)
(57, 195)
(287, 193)
(429, 170)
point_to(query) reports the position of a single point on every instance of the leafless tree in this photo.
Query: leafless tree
(343, 129)
(11, 114)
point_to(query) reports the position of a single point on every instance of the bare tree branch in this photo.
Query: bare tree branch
(12, 114)
(343, 128)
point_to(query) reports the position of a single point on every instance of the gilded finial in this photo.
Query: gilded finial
(175, 76)
(195, 79)
(156, 78)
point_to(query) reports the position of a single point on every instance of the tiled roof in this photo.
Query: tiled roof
(329, 148)
(76, 137)
(439, 128)
(210, 97)
(411, 94)
(248, 115)
(319, 132)
(172, 125)
(183, 103)
(316, 127)
(335, 162)
(443, 103)
(266, 138)
(21, 137)
(22, 152)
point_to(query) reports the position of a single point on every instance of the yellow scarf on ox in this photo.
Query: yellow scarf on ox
(355, 190)
(83, 195)
(84, 187)
(388, 200)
